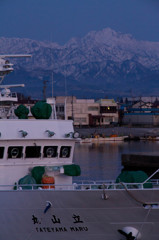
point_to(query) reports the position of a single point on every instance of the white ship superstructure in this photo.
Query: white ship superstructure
(25, 144)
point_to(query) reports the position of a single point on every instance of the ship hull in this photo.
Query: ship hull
(76, 215)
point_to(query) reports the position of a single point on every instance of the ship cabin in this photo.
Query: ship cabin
(27, 146)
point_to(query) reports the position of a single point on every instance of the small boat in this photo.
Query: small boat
(150, 138)
(86, 140)
(112, 137)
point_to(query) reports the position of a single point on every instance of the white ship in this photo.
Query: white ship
(39, 201)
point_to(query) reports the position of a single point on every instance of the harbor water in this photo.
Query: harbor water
(102, 161)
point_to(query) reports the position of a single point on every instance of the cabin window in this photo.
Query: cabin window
(15, 152)
(65, 152)
(33, 152)
(50, 151)
(1, 152)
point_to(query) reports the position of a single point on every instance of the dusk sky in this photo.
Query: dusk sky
(60, 20)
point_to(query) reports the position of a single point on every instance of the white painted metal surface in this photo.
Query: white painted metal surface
(36, 129)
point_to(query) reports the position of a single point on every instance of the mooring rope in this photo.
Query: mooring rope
(131, 195)
(143, 203)
(145, 219)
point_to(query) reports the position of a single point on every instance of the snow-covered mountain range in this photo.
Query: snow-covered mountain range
(103, 63)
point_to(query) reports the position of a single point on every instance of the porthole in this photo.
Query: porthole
(50, 151)
(15, 152)
(65, 152)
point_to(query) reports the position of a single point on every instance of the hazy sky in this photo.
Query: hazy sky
(60, 20)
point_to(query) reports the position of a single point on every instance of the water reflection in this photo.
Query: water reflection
(101, 161)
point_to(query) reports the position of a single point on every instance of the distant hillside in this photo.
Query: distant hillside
(103, 63)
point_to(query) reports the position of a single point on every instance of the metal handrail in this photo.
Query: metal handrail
(93, 185)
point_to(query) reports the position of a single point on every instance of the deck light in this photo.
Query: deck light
(50, 133)
(24, 133)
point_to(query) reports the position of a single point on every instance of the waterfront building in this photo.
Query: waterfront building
(143, 112)
(87, 112)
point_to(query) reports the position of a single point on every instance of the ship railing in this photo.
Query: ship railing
(114, 186)
(111, 184)
(155, 182)
(90, 185)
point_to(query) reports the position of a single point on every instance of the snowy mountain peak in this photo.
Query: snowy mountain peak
(108, 36)
(100, 59)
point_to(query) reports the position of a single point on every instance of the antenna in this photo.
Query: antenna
(52, 78)
(15, 55)
(12, 86)
(65, 97)
(52, 74)
(44, 89)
